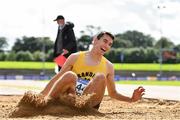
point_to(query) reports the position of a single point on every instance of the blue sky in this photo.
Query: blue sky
(35, 17)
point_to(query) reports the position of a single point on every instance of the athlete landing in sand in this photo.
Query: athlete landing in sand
(88, 73)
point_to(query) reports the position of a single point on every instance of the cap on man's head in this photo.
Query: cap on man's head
(59, 17)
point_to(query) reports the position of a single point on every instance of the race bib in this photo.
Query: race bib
(80, 85)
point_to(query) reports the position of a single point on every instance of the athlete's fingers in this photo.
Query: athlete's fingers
(142, 94)
(140, 89)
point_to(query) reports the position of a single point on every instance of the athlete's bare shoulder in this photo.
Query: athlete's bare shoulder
(74, 54)
(70, 61)
(73, 57)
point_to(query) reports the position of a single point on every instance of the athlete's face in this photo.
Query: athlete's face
(103, 44)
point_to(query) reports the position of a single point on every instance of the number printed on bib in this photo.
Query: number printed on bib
(80, 85)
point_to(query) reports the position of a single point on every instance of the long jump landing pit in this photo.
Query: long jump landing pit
(144, 109)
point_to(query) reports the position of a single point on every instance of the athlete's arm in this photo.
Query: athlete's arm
(137, 94)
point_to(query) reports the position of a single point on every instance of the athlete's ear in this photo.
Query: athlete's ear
(94, 39)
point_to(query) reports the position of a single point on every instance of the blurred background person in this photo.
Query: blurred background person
(65, 43)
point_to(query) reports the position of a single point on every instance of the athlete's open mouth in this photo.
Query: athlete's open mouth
(103, 50)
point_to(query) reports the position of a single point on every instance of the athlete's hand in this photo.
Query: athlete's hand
(65, 52)
(137, 94)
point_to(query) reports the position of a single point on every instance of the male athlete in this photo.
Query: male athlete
(88, 72)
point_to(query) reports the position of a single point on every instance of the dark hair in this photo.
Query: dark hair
(101, 34)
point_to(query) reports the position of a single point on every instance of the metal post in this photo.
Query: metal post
(161, 35)
(43, 57)
(43, 45)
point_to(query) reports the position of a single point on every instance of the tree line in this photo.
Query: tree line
(128, 47)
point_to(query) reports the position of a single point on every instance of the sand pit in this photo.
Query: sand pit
(109, 109)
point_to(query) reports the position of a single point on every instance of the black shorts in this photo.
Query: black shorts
(97, 106)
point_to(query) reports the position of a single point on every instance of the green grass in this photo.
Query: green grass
(26, 65)
(147, 67)
(159, 83)
(50, 65)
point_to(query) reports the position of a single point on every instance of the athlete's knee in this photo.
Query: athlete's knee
(100, 77)
(70, 76)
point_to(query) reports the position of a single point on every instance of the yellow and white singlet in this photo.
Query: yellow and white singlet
(86, 72)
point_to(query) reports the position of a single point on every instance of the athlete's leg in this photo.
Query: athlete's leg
(46, 90)
(64, 85)
(96, 85)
